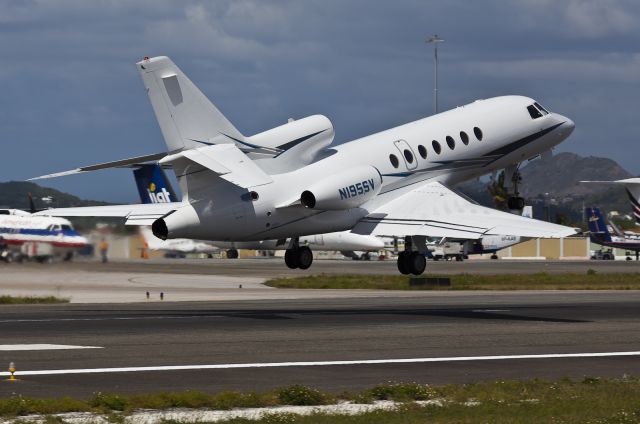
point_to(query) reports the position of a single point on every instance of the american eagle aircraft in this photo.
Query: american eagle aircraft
(290, 181)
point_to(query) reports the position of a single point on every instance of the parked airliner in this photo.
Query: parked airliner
(42, 236)
(290, 181)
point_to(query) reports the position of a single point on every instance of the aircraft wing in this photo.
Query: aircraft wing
(122, 163)
(139, 214)
(434, 210)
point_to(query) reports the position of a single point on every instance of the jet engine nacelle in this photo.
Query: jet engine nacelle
(345, 190)
(178, 224)
(294, 144)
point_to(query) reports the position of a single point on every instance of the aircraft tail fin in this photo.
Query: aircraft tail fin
(632, 186)
(186, 116)
(597, 227)
(153, 185)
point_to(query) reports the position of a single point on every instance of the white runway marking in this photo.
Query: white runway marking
(325, 363)
(107, 319)
(20, 347)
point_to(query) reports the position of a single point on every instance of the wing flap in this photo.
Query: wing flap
(434, 210)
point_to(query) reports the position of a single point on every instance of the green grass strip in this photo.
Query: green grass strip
(24, 300)
(590, 400)
(539, 281)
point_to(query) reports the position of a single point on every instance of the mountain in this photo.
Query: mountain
(14, 195)
(553, 187)
(560, 175)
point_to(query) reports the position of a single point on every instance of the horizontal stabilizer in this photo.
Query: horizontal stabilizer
(227, 161)
(140, 214)
(122, 163)
(433, 210)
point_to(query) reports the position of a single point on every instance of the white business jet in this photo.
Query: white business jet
(290, 181)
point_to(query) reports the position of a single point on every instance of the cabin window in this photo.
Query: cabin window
(408, 156)
(478, 133)
(535, 113)
(394, 160)
(464, 137)
(451, 142)
(436, 147)
(422, 150)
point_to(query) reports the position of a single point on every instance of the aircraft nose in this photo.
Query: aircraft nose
(567, 126)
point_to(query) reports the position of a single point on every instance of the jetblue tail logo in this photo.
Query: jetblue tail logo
(153, 185)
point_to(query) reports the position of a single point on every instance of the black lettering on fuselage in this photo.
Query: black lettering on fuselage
(356, 189)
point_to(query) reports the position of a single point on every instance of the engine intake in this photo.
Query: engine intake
(182, 223)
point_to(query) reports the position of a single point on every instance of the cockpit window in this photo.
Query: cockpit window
(535, 113)
(541, 109)
(66, 227)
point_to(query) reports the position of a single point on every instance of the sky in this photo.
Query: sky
(71, 95)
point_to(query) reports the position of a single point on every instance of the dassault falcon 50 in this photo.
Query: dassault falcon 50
(290, 180)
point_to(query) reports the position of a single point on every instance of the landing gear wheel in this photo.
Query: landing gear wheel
(232, 254)
(494, 256)
(403, 263)
(305, 257)
(291, 258)
(515, 203)
(417, 263)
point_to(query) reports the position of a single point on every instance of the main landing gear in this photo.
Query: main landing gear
(512, 179)
(411, 261)
(298, 257)
(232, 254)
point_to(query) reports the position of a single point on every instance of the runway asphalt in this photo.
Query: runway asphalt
(426, 326)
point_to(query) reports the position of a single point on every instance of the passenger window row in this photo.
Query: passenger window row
(464, 137)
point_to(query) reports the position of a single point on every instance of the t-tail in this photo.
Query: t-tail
(186, 116)
(153, 185)
(598, 231)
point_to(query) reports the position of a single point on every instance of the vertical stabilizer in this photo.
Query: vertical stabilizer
(186, 116)
(597, 227)
(153, 184)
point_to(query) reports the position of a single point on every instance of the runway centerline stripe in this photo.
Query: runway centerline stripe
(324, 363)
(42, 346)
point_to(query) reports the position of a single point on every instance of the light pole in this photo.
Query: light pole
(435, 40)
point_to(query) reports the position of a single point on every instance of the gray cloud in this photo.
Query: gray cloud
(71, 95)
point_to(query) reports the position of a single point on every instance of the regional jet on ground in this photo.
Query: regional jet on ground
(609, 235)
(43, 237)
(290, 181)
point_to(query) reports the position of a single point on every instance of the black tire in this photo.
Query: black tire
(291, 259)
(494, 256)
(68, 257)
(232, 254)
(305, 257)
(417, 263)
(403, 263)
(515, 203)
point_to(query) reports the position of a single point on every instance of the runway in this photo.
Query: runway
(380, 338)
(235, 280)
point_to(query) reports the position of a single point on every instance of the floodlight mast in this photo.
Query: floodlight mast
(435, 40)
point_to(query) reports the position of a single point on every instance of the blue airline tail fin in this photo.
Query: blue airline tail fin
(153, 185)
(597, 227)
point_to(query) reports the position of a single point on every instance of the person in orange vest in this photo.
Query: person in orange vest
(104, 249)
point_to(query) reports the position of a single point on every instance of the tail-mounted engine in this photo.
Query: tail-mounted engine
(345, 190)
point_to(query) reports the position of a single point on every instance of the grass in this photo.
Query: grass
(23, 300)
(590, 280)
(590, 400)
